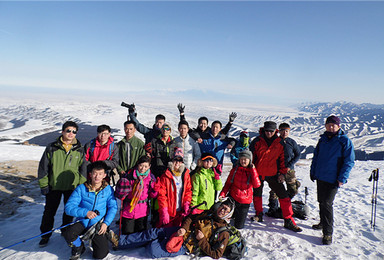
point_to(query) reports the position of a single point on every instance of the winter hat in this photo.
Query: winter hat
(178, 153)
(333, 119)
(206, 156)
(284, 126)
(270, 126)
(246, 153)
(231, 204)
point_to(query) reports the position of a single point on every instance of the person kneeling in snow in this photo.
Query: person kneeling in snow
(92, 203)
(193, 237)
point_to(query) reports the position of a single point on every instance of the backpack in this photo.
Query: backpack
(300, 210)
(236, 247)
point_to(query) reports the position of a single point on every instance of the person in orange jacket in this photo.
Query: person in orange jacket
(175, 192)
(241, 187)
(268, 157)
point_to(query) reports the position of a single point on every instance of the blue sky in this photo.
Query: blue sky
(263, 52)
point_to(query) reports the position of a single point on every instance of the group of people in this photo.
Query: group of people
(171, 190)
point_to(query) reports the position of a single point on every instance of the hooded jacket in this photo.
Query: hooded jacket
(240, 184)
(216, 146)
(61, 170)
(162, 153)
(204, 186)
(83, 199)
(333, 158)
(129, 153)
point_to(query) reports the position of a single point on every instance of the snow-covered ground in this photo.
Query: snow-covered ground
(353, 236)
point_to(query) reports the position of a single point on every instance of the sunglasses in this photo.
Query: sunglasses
(166, 129)
(71, 131)
(270, 131)
(208, 160)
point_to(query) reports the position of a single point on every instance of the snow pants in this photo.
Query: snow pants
(154, 240)
(99, 242)
(240, 214)
(52, 202)
(281, 192)
(326, 193)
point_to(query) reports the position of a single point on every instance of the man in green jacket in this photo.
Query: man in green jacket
(131, 148)
(61, 170)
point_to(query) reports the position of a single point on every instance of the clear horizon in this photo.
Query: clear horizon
(274, 53)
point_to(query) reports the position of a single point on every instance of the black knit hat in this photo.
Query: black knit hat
(333, 119)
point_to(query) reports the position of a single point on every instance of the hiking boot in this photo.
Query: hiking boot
(327, 239)
(77, 251)
(43, 242)
(257, 218)
(288, 224)
(114, 238)
(274, 213)
(317, 226)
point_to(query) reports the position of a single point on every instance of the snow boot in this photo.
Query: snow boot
(317, 226)
(291, 225)
(43, 242)
(77, 251)
(327, 239)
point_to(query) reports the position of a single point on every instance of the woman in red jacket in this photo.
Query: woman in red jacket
(240, 183)
(175, 192)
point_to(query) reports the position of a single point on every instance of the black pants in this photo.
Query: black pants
(99, 242)
(326, 193)
(52, 202)
(240, 214)
(129, 226)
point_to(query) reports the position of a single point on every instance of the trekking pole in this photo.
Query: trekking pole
(40, 235)
(121, 215)
(375, 178)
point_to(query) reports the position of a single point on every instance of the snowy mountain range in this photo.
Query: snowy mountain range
(40, 122)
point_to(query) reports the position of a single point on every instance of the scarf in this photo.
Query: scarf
(138, 188)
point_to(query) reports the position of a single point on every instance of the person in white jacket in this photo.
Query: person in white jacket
(189, 146)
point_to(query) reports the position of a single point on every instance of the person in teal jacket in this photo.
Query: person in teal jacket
(205, 182)
(90, 203)
(61, 170)
(333, 160)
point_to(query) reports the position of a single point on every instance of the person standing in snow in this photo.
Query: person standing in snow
(61, 170)
(241, 145)
(131, 148)
(332, 162)
(202, 125)
(240, 183)
(268, 157)
(189, 146)
(103, 148)
(292, 155)
(149, 133)
(135, 188)
(90, 203)
(175, 192)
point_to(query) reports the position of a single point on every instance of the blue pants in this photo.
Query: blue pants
(154, 239)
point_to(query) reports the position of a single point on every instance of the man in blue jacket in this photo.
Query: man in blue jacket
(333, 160)
(90, 203)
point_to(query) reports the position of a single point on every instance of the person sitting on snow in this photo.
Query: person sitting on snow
(195, 233)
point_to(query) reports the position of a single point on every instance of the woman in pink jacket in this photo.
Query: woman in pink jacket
(134, 189)
(240, 183)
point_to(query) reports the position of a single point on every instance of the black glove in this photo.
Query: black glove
(131, 108)
(181, 108)
(45, 190)
(232, 117)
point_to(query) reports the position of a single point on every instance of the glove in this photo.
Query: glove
(232, 117)
(219, 169)
(45, 190)
(186, 208)
(181, 108)
(148, 148)
(156, 187)
(164, 216)
(280, 178)
(217, 176)
(131, 108)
